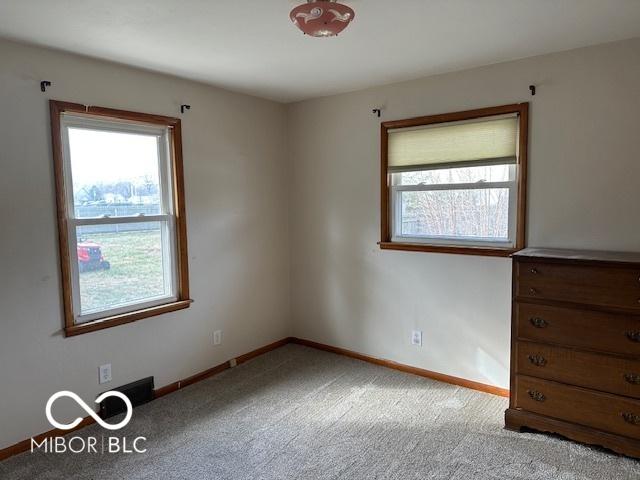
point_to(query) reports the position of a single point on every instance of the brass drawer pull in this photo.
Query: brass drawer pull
(537, 360)
(539, 322)
(538, 396)
(632, 378)
(631, 418)
(534, 270)
(533, 291)
(634, 336)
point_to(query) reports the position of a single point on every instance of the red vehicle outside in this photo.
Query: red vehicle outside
(90, 257)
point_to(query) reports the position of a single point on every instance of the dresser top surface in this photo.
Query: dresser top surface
(579, 255)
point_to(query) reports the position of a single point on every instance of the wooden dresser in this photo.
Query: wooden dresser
(575, 346)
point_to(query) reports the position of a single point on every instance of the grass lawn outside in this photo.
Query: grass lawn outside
(136, 271)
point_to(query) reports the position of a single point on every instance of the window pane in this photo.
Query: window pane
(122, 264)
(468, 214)
(485, 173)
(114, 173)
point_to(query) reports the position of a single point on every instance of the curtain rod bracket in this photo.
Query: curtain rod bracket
(533, 89)
(377, 111)
(44, 84)
(184, 107)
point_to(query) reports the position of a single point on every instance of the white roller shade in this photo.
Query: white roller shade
(430, 146)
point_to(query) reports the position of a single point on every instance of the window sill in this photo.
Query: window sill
(459, 250)
(121, 319)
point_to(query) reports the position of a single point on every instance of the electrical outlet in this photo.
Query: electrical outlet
(217, 337)
(416, 338)
(105, 373)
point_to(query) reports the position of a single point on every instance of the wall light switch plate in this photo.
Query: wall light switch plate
(105, 373)
(416, 338)
(217, 337)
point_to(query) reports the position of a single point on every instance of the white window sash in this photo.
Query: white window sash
(166, 218)
(452, 186)
(396, 214)
(169, 261)
(108, 220)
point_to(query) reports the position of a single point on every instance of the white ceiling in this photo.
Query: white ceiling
(251, 46)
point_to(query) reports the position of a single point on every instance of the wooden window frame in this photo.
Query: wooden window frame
(57, 108)
(522, 110)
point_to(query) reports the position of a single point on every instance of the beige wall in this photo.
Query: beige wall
(584, 193)
(237, 216)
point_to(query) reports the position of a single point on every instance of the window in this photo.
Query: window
(455, 182)
(121, 216)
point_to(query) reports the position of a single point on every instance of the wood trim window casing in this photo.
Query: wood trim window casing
(57, 108)
(522, 110)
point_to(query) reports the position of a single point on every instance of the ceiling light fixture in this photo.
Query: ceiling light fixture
(322, 18)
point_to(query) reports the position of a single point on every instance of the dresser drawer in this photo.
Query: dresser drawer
(602, 411)
(606, 332)
(599, 372)
(606, 286)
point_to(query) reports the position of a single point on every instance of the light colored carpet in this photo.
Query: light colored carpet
(297, 413)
